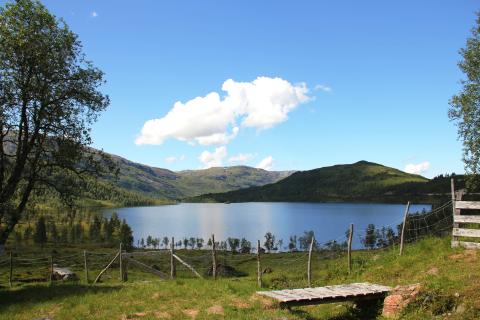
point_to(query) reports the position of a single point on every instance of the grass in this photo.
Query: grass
(450, 280)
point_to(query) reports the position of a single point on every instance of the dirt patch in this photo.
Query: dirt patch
(156, 295)
(216, 309)
(133, 316)
(192, 313)
(467, 256)
(240, 304)
(264, 301)
(433, 271)
(162, 315)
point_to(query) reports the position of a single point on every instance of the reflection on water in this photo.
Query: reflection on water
(252, 220)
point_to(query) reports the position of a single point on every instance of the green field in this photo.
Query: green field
(450, 281)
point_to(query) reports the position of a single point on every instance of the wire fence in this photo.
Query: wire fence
(91, 265)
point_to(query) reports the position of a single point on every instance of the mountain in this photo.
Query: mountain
(361, 181)
(165, 184)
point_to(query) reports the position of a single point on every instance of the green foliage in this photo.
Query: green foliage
(465, 106)
(245, 246)
(126, 235)
(370, 240)
(269, 243)
(40, 235)
(49, 98)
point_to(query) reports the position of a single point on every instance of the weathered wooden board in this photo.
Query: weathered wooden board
(461, 232)
(344, 292)
(467, 205)
(466, 244)
(466, 219)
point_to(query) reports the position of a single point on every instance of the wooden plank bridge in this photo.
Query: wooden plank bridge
(328, 294)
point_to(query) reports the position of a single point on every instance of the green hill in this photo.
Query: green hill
(361, 181)
(165, 184)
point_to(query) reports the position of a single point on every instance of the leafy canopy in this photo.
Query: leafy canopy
(465, 106)
(49, 97)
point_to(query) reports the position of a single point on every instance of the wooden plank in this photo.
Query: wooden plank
(461, 232)
(309, 296)
(349, 253)
(187, 265)
(472, 205)
(106, 268)
(466, 244)
(466, 219)
(309, 266)
(146, 268)
(259, 270)
(402, 236)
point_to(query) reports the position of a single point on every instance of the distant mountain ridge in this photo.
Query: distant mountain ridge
(360, 181)
(166, 184)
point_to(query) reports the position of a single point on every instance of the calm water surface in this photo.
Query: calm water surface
(253, 220)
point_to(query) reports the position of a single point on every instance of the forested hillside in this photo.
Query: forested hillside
(165, 184)
(361, 181)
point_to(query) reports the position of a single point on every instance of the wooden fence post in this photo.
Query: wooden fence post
(259, 269)
(454, 212)
(85, 265)
(350, 237)
(51, 269)
(120, 261)
(125, 268)
(214, 259)
(309, 267)
(10, 277)
(402, 237)
(173, 267)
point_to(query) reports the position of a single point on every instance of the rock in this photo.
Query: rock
(461, 308)
(64, 274)
(398, 299)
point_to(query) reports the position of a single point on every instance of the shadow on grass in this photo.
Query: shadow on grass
(40, 293)
(368, 310)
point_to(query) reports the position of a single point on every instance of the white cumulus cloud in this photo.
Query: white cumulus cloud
(265, 164)
(213, 159)
(241, 157)
(215, 120)
(94, 14)
(418, 168)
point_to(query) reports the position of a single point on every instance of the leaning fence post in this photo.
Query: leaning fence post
(214, 259)
(259, 270)
(10, 277)
(85, 265)
(350, 237)
(120, 262)
(402, 237)
(309, 267)
(173, 268)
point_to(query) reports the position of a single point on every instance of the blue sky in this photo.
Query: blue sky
(371, 80)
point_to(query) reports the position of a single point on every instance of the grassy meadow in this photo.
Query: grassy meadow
(450, 280)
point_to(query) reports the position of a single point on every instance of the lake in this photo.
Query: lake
(252, 220)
